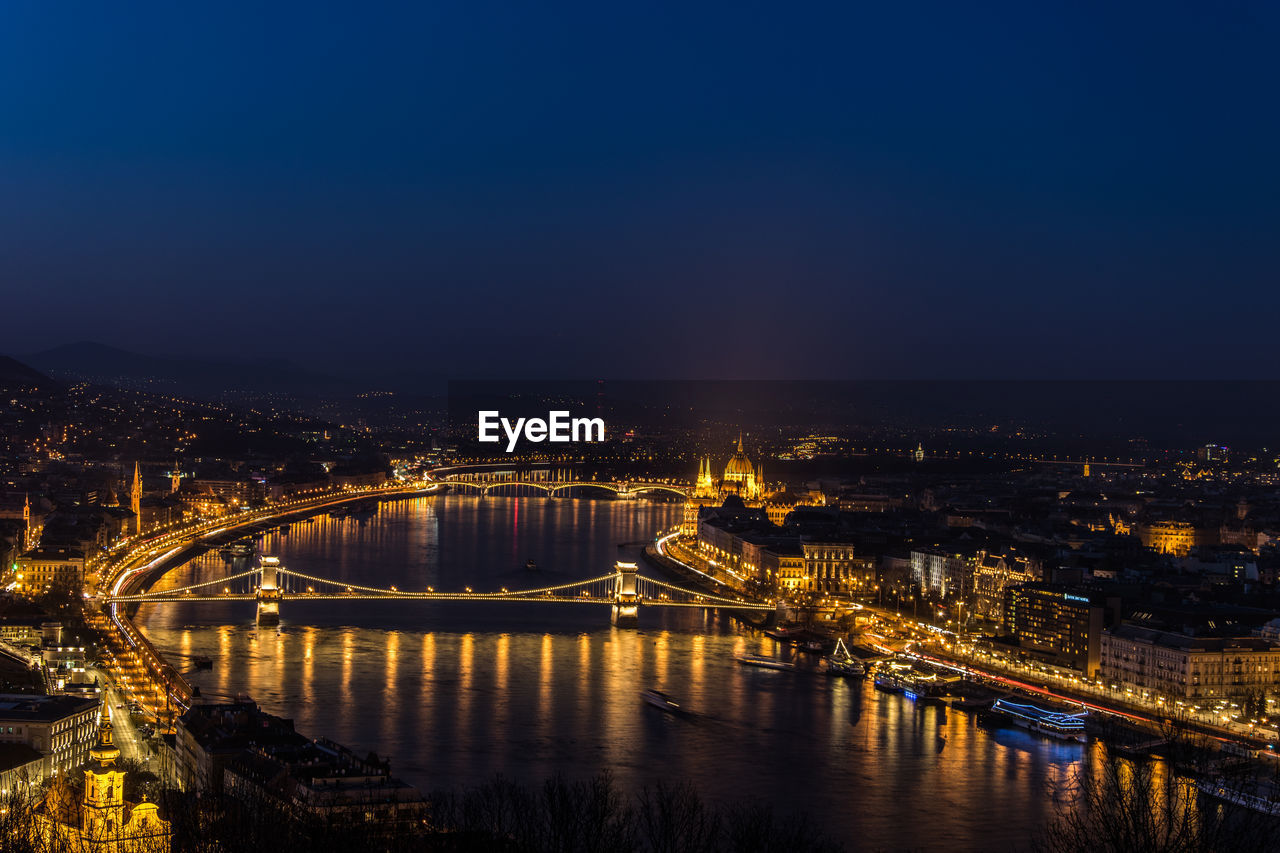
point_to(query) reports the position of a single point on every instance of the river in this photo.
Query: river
(456, 692)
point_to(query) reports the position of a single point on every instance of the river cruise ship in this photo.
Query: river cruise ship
(1055, 724)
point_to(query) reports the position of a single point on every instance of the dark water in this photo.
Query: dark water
(457, 692)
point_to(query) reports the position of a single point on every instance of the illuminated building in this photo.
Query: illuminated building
(784, 566)
(743, 480)
(705, 486)
(102, 822)
(944, 571)
(60, 728)
(993, 575)
(1144, 659)
(1170, 537)
(836, 568)
(1060, 625)
(1213, 453)
(745, 544)
(740, 478)
(49, 568)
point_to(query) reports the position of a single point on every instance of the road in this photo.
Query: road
(123, 732)
(1075, 690)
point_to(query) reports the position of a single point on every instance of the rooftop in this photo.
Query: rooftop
(34, 708)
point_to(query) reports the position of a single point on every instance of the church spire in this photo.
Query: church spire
(135, 497)
(105, 752)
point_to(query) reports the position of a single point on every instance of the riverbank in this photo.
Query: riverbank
(148, 560)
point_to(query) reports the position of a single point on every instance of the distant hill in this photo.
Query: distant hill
(14, 375)
(99, 363)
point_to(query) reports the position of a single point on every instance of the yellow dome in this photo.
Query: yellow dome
(739, 465)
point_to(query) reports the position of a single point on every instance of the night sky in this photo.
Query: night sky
(746, 190)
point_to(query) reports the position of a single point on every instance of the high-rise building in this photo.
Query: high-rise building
(1059, 624)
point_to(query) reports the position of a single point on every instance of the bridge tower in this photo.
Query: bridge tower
(269, 593)
(626, 598)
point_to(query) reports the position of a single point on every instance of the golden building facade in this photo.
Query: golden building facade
(102, 822)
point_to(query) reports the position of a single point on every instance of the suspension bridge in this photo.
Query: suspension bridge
(624, 589)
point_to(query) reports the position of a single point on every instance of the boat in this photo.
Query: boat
(1219, 790)
(765, 661)
(1045, 721)
(899, 677)
(661, 701)
(243, 548)
(841, 662)
(890, 682)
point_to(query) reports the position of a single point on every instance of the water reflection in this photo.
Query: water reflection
(532, 690)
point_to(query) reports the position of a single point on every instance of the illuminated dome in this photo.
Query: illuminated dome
(741, 477)
(739, 466)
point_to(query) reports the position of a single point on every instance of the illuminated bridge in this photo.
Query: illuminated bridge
(623, 589)
(485, 483)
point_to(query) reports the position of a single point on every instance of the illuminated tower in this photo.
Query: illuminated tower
(175, 477)
(705, 486)
(103, 814)
(26, 520)
(918, 454)
(1086, 468)
(135, 497)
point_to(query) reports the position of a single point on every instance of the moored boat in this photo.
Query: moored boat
(841, 662)
(899, 677)
(1045, 721)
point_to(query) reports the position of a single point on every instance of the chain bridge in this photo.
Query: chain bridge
(624, 590)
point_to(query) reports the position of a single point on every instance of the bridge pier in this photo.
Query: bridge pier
(268, 594)
(626, 600)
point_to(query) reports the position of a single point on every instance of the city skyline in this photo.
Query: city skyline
(713, 427)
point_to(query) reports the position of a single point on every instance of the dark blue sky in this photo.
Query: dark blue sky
(918, 189)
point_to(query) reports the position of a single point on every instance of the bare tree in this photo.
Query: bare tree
(673, 819)
(1138, 805)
